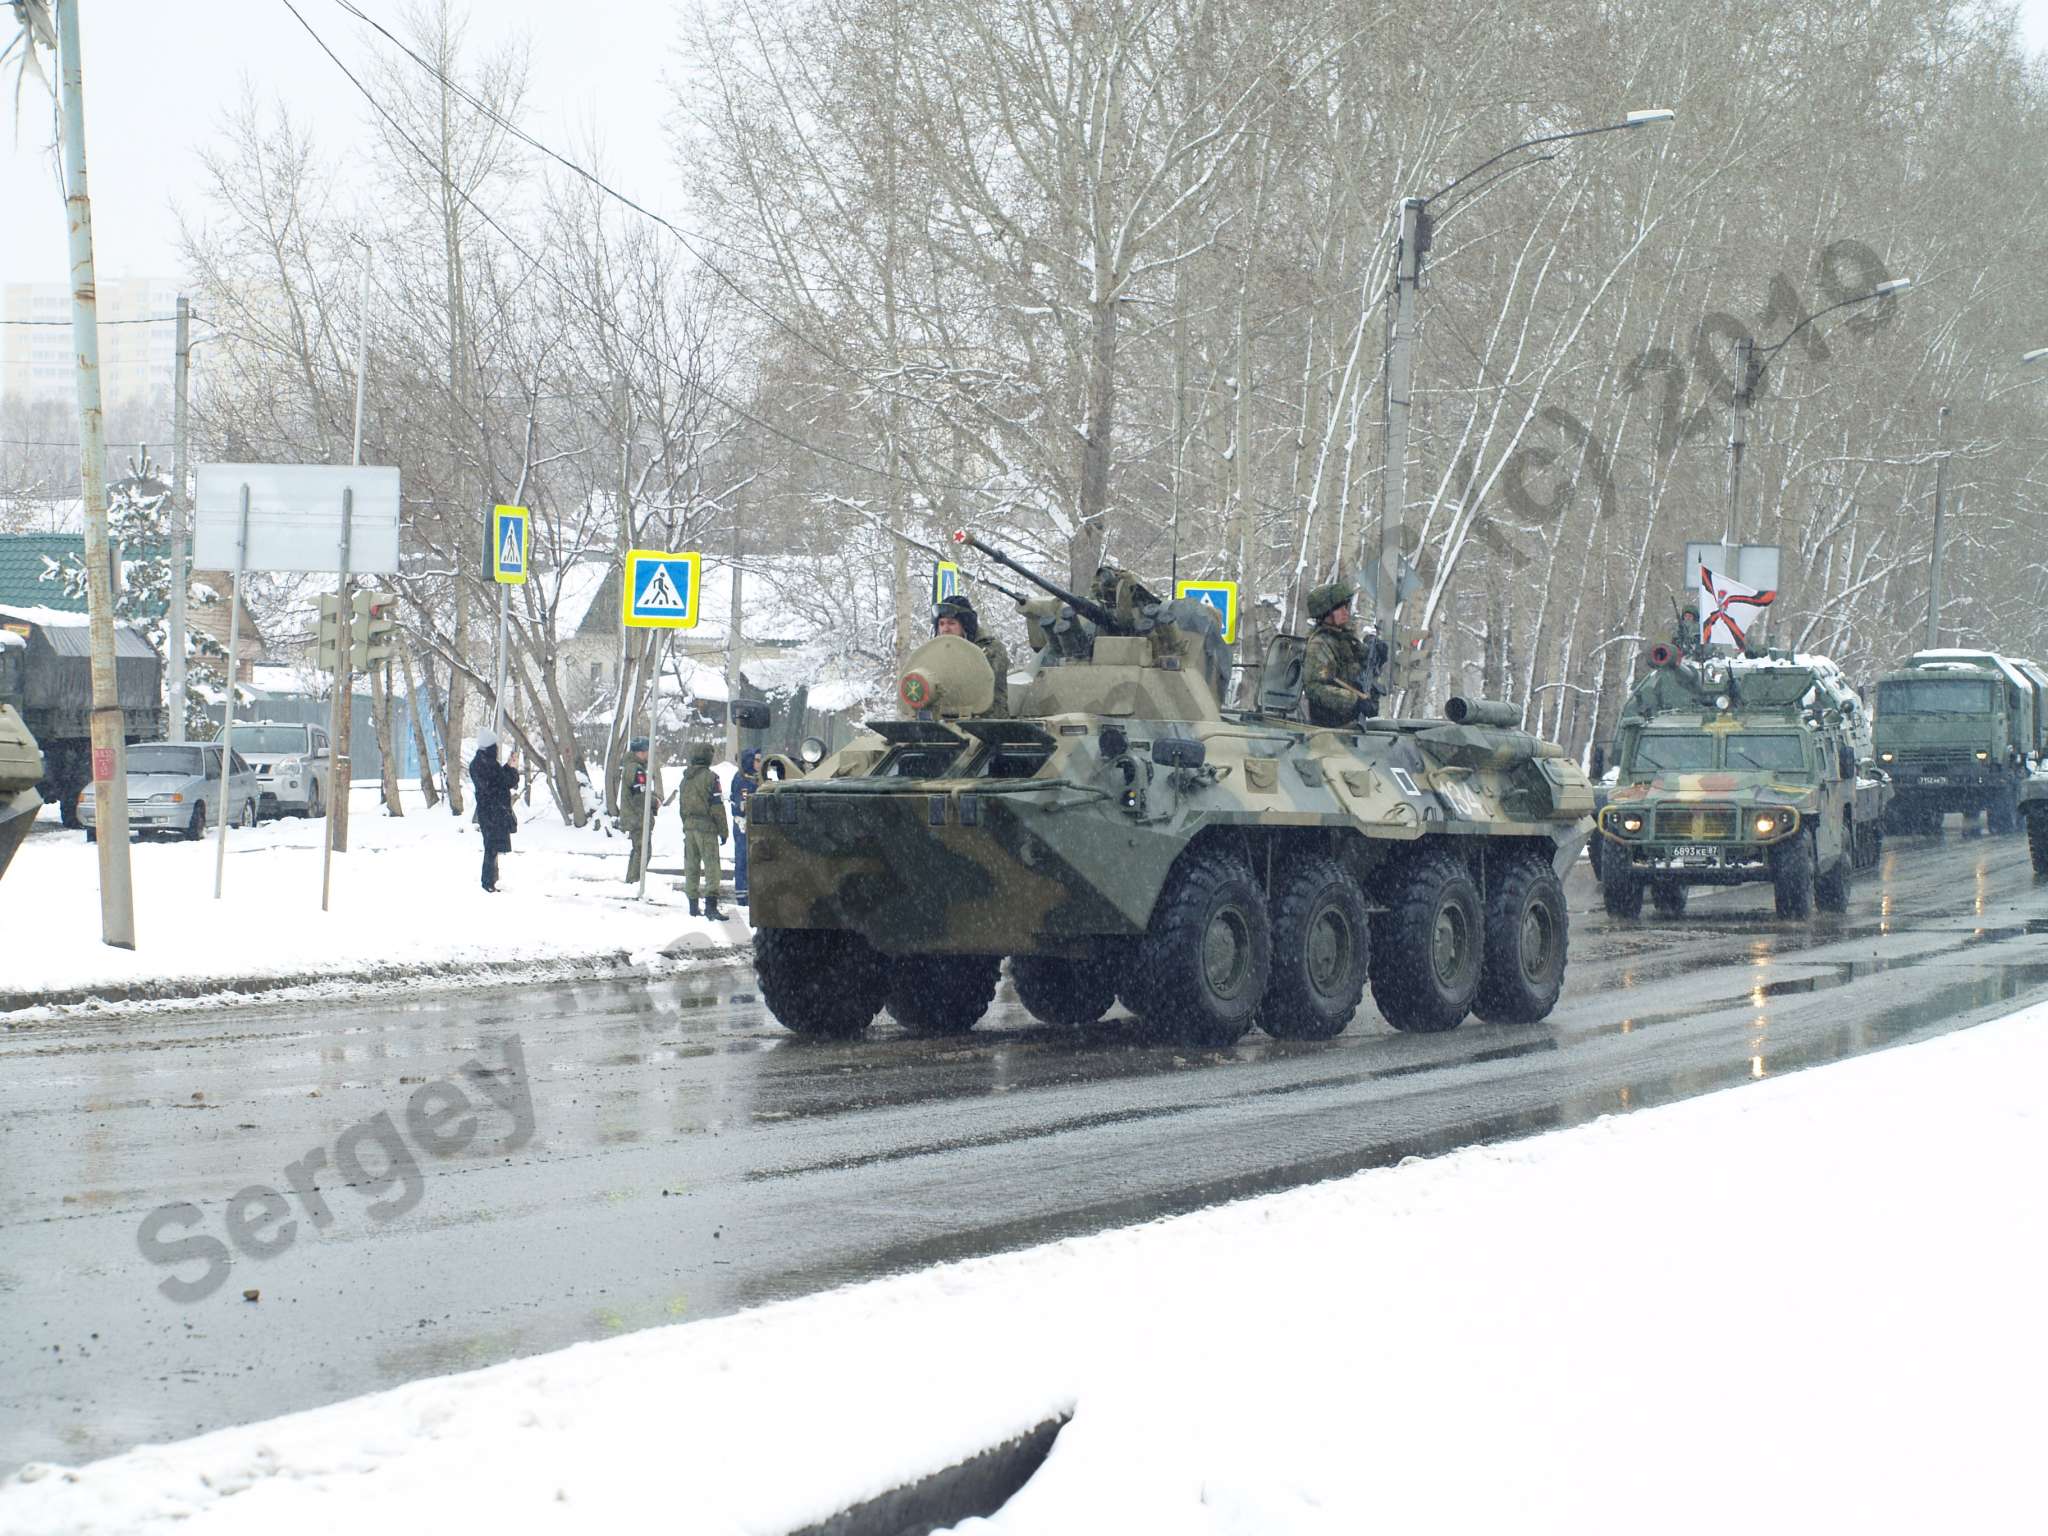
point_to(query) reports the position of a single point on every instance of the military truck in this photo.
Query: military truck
(47, 679)
(1735, 770)
(1120, 836)
(1956, 730)
(21, 769)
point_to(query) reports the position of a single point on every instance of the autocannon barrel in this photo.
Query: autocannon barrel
(1100, 616)
(1463, 711)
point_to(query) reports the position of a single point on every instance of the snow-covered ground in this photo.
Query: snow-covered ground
(407, 909)
(1808, 1304)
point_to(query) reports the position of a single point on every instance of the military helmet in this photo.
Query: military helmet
(956, 606)
(1327, 598)
(637, 744)
(700, 752)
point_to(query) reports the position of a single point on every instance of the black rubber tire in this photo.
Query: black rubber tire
(1831, 891)
(1528, 932)
(820, 981)
(941, 994)
(1429, 945)
(2037, 840)
(1668, 898)
(2002, 812)
(314, 809)
(1067, 993)
(1322, 946)
(1202, 966)
(67, 809)
(1793, 876)
(195, 829)
(1594, 845)
(1621, 893)
(248, 814)
(91, 835)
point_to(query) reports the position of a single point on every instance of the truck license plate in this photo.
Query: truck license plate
(1695, 852)
(1933, 778)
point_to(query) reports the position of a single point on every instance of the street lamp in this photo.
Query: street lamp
(1416, 222)
(1750, 363)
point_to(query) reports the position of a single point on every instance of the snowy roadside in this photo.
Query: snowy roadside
(1810, 1303)
(407, 913)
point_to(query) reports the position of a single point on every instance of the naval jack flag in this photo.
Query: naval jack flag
(1728, 607)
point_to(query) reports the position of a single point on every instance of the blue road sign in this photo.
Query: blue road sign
(1220, 595)
(661, 589)
(508, 545)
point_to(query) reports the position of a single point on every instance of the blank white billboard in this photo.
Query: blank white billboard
(295, 517)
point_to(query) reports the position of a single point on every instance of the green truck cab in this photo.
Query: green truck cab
(1736, 771)
(1957, 731)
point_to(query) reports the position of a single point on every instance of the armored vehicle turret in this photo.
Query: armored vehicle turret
(1734, 770)
(1123, 836)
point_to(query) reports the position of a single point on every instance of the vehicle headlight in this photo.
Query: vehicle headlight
(167, 799)
(1766, 824)
(1983, 757)
(1885, 757)
(1631, 824)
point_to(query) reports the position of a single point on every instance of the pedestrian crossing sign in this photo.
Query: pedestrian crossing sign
(508, 546)
(1220, 595)
(661, 589)
(945, 581)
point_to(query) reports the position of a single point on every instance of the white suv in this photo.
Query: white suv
(291, 764)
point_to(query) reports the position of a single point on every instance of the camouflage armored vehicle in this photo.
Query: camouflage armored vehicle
(1955, 730)
(47, 678)
(1737, 770)
(1123, 836)
(21, 768)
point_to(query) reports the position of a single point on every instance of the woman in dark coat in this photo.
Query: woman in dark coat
(493, 783)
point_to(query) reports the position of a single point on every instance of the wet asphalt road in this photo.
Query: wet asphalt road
(689, 1158)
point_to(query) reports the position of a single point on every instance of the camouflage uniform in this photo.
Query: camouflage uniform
(704, 830)
(633, 780)
(962, 612)
(1334, 657)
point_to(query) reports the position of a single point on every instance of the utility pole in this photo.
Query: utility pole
(341, 719)
(1940, 512)
(1400, 378)
(732, 635)
(109, 759)
(181, 520)
(1747, 375)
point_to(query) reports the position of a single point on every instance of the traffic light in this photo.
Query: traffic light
(327, 637)
(372, 631)
(1411, 662)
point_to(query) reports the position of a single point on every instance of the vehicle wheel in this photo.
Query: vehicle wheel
(196, 828)
(1203, 965)
(313, 808)
(2002, 812)
(2037, 841)
(67, 809)
(1621, 893)
(1831, 891)
(1321, 944)
(1792, 876)
(248, 814)
(942, 994)
(91, 835)
(820, 981)
(1593, 844)
(1068, 993)
(1428, 946)
(1527, 932)
(1668, 898)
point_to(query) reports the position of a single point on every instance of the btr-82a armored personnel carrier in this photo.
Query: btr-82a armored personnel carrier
(1740, 769)
(1123, 836)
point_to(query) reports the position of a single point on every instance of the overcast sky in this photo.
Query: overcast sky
(156, 72)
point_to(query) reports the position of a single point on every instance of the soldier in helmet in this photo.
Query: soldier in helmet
(1340, 671)
(956, 616)
(636, 789)
(704, 830)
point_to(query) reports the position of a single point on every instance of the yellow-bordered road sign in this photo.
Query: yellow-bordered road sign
(510, 547)
(945, 580)
(1220, 595)
(661, 589)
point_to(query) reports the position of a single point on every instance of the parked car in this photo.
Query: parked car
(175, 787)
(291, 764)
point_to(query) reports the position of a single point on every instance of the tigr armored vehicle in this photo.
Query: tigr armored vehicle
(21, 768)
(1125, 837)
(1955, 729)
(1738, 770)
(48, 680)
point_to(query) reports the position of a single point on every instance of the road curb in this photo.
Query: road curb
(174, 994)
(978, 1486)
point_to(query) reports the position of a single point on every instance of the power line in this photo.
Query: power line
(143, 320)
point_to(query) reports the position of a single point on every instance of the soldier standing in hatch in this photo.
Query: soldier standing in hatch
(634, 779)
(703, 814)
(956, 616)
(1339, 670)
